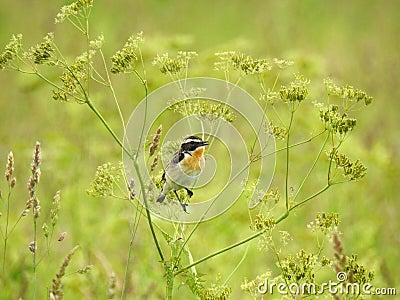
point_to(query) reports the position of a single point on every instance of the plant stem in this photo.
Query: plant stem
(287, 162)
(109, 84)
(6, 230)
(127, 264)
(255, 235)
(238, 264)
(109, 129)
(169, 286)
(219, 252)
(136, 166)
(312, 167)
(310, 197)
(34, 255)
(134, 158)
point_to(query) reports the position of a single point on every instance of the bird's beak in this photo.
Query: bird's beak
(205, 143)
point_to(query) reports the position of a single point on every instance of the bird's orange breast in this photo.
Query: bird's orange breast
(193, 163)
(198, 152)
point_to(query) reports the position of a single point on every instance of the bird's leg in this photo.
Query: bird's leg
(182, 204)
(190, 193)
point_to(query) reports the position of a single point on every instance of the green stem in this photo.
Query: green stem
(312, 167)
(255, 235)
(275, 151)
(311, 197)
(278, 259)
(6, 229)
(287, 162)
(219, 252)
(134, 158)
(109, 129)
(143, 81)
(109, 84)
(169, 287)
(291, 146)
(136, 166)
(238, 264)
(133, 229)
(97, 113)
(34, 254)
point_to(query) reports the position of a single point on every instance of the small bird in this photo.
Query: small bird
(184, 168)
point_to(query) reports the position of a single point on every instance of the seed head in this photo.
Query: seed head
(105, 178)
(73, 76)
(249, 65)
(336, 121)
(56, 291)
(43, 52)
(347, 92)
(277, 131)
(154, 164)
(124, 60)
(156, 140)
(33, 180)
(55, 207)
(11, 51)
(73, 9)
(9, 167)
(262, 223)
(173, 65)
(297, 91)
(352, 170)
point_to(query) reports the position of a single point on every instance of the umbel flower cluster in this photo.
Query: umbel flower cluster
(173, 65)
(278, 132)
(249, 65)
(351, 170)
(347, 92)
(43, 52)
(73, 9)
(262, 223)
(297, 91)
(204, 108)
(11, 51)
(241, 62)
(124, 60)
(335, 121)
(106, 177)
(325, 222)
(73, 77)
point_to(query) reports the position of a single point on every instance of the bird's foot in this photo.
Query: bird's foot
(190, 193)
(184, 205)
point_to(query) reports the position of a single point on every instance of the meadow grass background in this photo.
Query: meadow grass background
(355, 41)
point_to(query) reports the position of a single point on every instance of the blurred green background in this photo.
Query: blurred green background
(355, 41)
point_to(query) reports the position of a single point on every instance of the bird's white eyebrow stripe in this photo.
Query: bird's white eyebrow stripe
(192, 140)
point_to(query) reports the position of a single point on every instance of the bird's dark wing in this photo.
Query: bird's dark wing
(176, 158)
(163, 177)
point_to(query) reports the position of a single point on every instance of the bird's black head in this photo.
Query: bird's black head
(191, 143)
